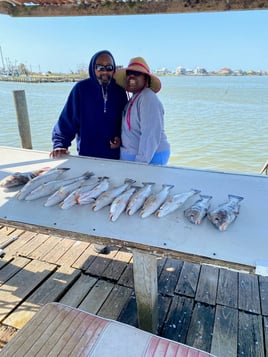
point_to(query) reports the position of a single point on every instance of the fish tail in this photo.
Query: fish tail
(238, 198)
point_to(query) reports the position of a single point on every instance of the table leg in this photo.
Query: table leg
(146, 290)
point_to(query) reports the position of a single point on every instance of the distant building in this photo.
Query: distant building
(225, 71)
(180, 70)
(200, 71)
(162, 71)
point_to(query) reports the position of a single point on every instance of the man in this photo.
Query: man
(92, 115)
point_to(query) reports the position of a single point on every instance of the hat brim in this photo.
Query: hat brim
(120, 77)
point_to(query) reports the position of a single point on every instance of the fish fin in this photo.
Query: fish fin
(238, 198)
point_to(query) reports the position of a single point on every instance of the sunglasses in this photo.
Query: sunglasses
(133, 73)
(101, 68)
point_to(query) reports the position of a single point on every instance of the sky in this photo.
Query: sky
(233, 39)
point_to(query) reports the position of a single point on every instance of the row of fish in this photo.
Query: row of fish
(86, 189)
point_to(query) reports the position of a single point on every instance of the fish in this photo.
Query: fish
(226, 213)
(154, 201)
(198, 211)
(50, 187)
(72, 199)
(174, 202)
(21, 178)
(53, 174)
(119, 204)
(139, 197)
(91, 195)
(65, 190)
(108, 196)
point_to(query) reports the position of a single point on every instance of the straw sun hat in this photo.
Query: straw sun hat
(137, 64)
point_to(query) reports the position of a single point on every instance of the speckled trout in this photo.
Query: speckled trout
(119, 204)
(107, 197)
(72, 199)
(91, 195)
(154, 201)
(225, 213)
(65, 190)
(174, 202)
(198, 211)
(39, 180)
(139, 197)
(50, 187)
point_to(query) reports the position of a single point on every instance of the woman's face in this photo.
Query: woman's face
(136, 81)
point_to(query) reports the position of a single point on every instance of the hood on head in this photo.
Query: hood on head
(92, 63)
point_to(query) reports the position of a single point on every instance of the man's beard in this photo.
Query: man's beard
(104, 81)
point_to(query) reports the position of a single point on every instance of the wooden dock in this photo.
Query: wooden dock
(214, 309)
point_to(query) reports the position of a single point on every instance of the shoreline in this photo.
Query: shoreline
(77, 77)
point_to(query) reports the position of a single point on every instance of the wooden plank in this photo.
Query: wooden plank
(263, 284)
(248, 295)
(164, 303)
(5, 260)
(188, 279)
(77, 292)
(96, 296)
(6, 334)
(225, 332)
(46, 247)
(54, 255)
(15, 291)
(201, 327)
(178, 319)
(129, 314)
(9, 270)
(265, 332)
(118, 265)
(115, 8)
(146, 290)
(115, 302)
(169, 276)
(23, 239)
(126, 278)
(207, 286)
(33, 244)
(101, 262)
(76, 250)
(227, 293)
(51, 290)
(85, 259)
(250, 335)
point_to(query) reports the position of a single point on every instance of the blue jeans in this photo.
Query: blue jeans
(159, 158)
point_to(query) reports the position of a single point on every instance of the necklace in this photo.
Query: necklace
(131, 102)
(105, 98)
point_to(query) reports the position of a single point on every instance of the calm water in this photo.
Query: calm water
(218, 123)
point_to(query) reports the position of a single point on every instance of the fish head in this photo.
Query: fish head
(193, 216)
(218, 218)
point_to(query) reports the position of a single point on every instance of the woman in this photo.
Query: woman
(143, 136)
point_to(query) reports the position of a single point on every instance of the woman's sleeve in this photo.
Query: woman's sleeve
(151, 114)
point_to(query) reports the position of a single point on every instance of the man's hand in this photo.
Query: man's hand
(59, 152)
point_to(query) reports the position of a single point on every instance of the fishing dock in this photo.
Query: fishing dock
(211, 287)
(214, 309)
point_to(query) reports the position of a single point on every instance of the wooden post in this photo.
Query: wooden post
(23, 119)
(146, 290)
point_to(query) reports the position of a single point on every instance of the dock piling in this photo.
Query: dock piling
(23, 119)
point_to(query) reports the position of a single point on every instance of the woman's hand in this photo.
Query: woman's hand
(59, 152)
(115, 143)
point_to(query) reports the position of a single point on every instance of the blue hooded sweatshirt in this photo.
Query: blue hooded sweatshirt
(84, 118)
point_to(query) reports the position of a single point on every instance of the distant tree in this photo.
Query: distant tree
(22, 69)
(82, 69)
